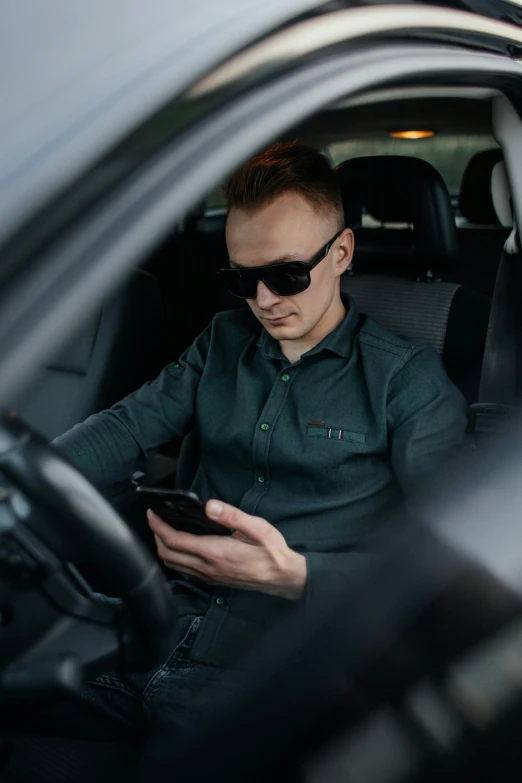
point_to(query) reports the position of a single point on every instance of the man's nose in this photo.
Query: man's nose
(266, 298)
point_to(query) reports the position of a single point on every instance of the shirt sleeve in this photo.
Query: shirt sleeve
(108, 446)
(426, 418)
(328, 573)
(426, 415)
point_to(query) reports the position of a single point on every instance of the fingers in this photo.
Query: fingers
(175, 539)
(188, 572)
(206, 550)
(249, 527)
(181, 561)
(187, 563)
(175, 556)
(229, 516)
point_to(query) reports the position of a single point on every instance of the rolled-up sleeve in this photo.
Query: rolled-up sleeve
(426, 416)
(108, 446)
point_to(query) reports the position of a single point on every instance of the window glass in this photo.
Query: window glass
(449, 154)
(216, 200)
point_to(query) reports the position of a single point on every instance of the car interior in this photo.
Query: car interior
(429, 232)
(425, 191)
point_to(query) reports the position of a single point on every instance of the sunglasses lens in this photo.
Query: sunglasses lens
(239, 283)
(287, 279)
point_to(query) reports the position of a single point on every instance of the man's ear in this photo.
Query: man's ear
(346, 248)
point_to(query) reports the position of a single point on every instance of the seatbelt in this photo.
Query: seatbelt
(498, 380)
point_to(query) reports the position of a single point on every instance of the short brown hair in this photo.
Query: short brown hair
(282, 168)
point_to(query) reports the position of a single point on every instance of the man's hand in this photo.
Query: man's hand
(255, 557)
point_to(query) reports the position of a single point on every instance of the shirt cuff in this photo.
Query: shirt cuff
(328, 574)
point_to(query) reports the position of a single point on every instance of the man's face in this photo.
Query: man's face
(289, 229)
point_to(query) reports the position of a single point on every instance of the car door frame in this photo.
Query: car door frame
(55, 285)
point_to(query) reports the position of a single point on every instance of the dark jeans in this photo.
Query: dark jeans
(145, 712)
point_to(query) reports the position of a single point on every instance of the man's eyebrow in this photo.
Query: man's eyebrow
(288, 257)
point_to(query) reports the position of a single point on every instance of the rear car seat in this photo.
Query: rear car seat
(187, 266)
(482, 240)
(396, 273)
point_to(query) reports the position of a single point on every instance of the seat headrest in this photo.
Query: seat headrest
(400, 189)
(476, 202)
(501, 195)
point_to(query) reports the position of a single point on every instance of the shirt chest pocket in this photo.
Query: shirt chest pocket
(336, 434)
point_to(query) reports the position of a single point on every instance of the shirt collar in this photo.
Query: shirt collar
(339, 340)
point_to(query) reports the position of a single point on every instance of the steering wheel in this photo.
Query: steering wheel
(53, 628)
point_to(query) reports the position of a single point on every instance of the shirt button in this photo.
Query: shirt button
(261, 479)
(285, 378)
(220, 600)
(265, 427)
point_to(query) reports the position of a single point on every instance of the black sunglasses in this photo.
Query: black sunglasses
(284, 279)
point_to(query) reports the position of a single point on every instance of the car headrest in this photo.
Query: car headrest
(404, 190)
(476, 203)
(501, 195)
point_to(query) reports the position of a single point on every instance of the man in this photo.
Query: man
(313, 423)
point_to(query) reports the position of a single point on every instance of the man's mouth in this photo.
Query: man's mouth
(276, 321)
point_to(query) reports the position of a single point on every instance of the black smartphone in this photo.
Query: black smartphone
(183, 510)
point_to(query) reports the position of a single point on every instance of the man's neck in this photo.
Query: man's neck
(294, 349)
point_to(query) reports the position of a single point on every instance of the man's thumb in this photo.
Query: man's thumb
(234, 518)
(214, 509)
(223, 513)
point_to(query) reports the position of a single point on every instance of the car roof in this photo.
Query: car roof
(76, 77)
(135, 110)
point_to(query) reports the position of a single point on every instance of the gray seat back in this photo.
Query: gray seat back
(399, 266)
(415, 309)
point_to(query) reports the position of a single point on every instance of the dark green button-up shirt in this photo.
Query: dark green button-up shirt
(323, 448)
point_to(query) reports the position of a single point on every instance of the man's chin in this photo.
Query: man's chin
(281, 333)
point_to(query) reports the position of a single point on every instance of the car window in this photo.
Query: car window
(449, 154)
(216, 200)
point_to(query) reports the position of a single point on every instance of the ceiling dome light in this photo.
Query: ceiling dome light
(412, 134)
